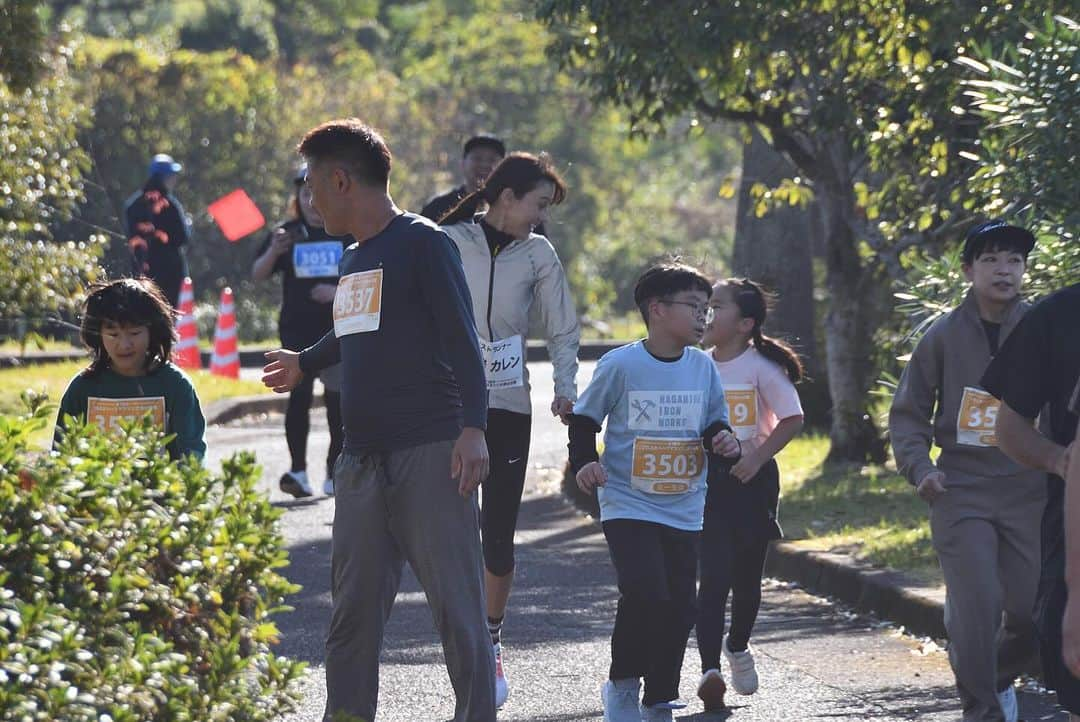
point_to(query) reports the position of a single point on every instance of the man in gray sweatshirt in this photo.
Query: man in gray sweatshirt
(984, 507)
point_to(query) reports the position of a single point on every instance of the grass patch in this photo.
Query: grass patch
(869, 511)
(52, 379)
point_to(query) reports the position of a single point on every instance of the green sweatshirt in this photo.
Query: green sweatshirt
(167, 393)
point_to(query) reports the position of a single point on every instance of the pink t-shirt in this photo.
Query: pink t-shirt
(759, 394)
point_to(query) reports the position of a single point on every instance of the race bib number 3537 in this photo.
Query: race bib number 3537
(977, 421)
(667, 466)
(358, 303)
(108, 413)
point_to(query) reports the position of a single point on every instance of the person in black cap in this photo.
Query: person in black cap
(984, 508)
(307, 258)
(157, 229)
(1035, 375)
(481, 154)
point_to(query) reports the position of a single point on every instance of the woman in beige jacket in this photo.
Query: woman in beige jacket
(509, 269)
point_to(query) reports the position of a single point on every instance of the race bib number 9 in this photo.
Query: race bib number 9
(667, 466)
(317, 260)
(975, 425)
(742, 410)
(358, 303)
(108, 413)
(504, 362)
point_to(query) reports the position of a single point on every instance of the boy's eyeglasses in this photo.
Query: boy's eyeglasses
(706, 311)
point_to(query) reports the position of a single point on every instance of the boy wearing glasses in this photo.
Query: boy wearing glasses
(665, 409)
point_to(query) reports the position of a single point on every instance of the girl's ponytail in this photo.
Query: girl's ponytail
(753, 303)
(464, 210)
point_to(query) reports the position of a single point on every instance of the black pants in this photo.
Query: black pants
(508, 436)
(740, 521)
(298, 424)
(656, 567)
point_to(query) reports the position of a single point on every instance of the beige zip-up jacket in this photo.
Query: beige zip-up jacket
(503, 291)
(940, 380)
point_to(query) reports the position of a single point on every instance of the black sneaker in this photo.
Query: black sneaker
(295, 483)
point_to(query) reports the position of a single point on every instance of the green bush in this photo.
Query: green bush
(135, 588)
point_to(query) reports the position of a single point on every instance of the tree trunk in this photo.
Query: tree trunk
(858, 293)
(776, 251)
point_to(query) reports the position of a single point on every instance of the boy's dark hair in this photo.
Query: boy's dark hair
(354, 144)
(753, 302)
(664, 280)
(128, 302)
(485, 141)
(996, 235)
(521, 173)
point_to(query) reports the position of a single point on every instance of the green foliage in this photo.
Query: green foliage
(135, 588)
(23, 38)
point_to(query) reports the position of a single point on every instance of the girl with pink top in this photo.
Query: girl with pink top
(759, 375)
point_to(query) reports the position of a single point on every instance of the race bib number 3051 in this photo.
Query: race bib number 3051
(358, 303)
(108, 413)
(504, 362)
(317, 260)
(977, 421)
(667, 466)
(742, 410)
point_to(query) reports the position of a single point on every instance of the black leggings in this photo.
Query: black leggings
(740, 521)
(500, 498)
(298, 423)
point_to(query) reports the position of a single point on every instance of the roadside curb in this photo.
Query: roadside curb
(226, 410)
(887, 593)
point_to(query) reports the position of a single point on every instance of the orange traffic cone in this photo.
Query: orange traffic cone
(186, 352)
(225, 360)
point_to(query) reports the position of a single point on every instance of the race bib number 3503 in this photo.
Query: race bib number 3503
(667, 466)
(358, 303)
(108, 413)
(977, 421)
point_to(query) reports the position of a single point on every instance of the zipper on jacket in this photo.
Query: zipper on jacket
(491, 294)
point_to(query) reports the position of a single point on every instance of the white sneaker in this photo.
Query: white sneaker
(711, 689)
(295, 483)
(621, 700)
(502, 689)
(1009, 706)
(744, 679)
(328, 486)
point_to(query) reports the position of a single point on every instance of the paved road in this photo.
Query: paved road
(816, 659)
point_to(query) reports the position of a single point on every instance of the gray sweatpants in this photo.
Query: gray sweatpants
(986, 534)
(390, 508)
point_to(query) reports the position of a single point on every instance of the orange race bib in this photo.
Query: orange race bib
(358, 303)
(108, 413)
(742, 410)
(667, 466)
(976, 423)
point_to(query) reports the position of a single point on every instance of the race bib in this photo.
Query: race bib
(504, 362)
(667, 466)
(358, 303)
(317, 260)
(742, 410)
(108, 413)
(976, 422)
(665, 410)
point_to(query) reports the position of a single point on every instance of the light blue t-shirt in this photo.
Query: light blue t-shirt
(656, 412)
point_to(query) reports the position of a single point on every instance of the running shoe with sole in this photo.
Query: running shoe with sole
(744, 679)
(711, 690)
(295, 483)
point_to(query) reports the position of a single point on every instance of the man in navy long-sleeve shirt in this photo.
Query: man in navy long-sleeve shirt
(414, 406)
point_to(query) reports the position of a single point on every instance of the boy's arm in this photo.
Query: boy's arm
(582, 446)
(910, 426)
(590, 410)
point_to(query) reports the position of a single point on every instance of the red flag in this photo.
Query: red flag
(237, 215)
